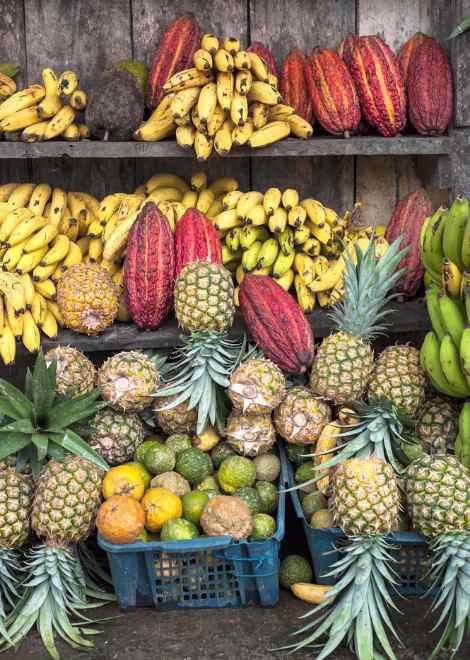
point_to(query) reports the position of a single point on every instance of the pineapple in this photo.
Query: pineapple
(366, 504)
(179, 419)
(343, 364)
(437, 426)
(88, 299)
(398, 377)
(438, 495)
(76, 375)
(257, 387)
(128, 380)
(250, 435)
(204, 297)
(116, 435)
(301, 416)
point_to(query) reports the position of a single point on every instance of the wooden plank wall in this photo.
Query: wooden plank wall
(91, 34)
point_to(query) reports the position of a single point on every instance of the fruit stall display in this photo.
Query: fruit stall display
(177, 457)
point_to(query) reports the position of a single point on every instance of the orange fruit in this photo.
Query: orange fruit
(123, 480)
(160, 505)
(146, 476)
(120, 519)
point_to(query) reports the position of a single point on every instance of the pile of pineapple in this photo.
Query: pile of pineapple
(43, 112)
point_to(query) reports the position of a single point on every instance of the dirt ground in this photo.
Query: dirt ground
(244, 634)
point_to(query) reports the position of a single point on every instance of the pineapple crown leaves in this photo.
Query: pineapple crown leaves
(450, 575)
(356, 607)
(10, 570)
(199, 373)
(39, 422)
(368, 283)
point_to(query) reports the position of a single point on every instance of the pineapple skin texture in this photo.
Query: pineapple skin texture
(175, 420)
(342, 368)
(437, 426)
(300, 418)
(128, 380)
(16, 493)
(76, 374)
(257, 387)
(115, 435)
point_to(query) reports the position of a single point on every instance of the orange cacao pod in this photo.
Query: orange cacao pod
(380, 86)
(293, 85)
(406, 221)
(174, 53)
(149, 268)
(430, 89)
(334, 98)
(407, 51)
(346, 47)
(196, 239)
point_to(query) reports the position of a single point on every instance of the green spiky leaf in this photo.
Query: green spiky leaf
(462, 27)
(73, 443)
(23, 407)
(41, 442)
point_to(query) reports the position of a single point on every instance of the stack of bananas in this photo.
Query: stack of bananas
(445, 252)
(298, 242)
(43, 112)
(229, 98)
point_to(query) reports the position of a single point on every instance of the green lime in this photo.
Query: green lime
(236, 472)
(268, 467)
(250, 495)
(137, 69)
(159, 459)
(178, 529)
(194, 504)
(264, 527)
(178, 442)
(298, 454)
(294, 568)
(220, 453)
(142, 448)
(194, 465)
(209, 483)
(269, 496)
(306, 473)
(146, 476)
(313, 502)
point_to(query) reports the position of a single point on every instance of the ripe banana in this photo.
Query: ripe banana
(7, 345)
(20, 196)
(155, 129)
(230, 200)
(205, 199)
(78, 99)
(296, 217)
(241, 134)
(272, 132)
(290, 198)
(22, 100)
(25, 229)
(264, 93)
(46, 288)
(251, 233)
(12, 288)
(223, 61)
(272, 200)
(50, 104)
(250, 256)
(305, 267)
(71, 133)
(58, 204)
(202, 146)
(232, 239)
(282, 264)
(301, 235)
(41, 273)
(451, 277)
(53, 307)
(118, 238)
(30, 260)
(225, 89)
(202, 60)
(258, 67)
(15, 321)
(183, 101)
(280, 112)
(210, 43)
(68, 83)
(189, 199)
(74, 256)
(224, 185)
(207, 102)
(185, 136)
(300, 127)
(305, 297)
(6, 190)
(239, 109)
(243, 82)
(223, 138)
(31, 337)
(35, 132)
(278, 221)
(49, 326)
(13, 220)
(12, 256)
(227, 220)
(41, 238)
(39, 198)
(259, 113)
(216, 121)
(286, 241)
(21, 120)
(312, 247)
(286, 280)
(187, 78)
(268, 253)
(28, 289)
(60, 122)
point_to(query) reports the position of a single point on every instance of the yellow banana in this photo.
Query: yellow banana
(272, 200)
(39, 198)
(256, 216)
(189, 199)
(118, 238)
(15, 321)
(68, 83)
(53, 307)
(324, 298)
(241, 134)
(95, 229)
(20, 196)
(231, 199)
(185, 136)
(223, 138)
(25, 229)
(247, 201)
(152, 131)
(69, 226)
(227, 220)
(12, 288)
(329, 279)
(210, 43)
(109, 205)
(168, 211)
(202, 60)
(280, 112)
(305, 266)
(187, 78)
(282, 264)
(30, 260)
(203, 145)
(90, 201)
(225, 89)
(34, 132)
(286, 280)
(198, 181)
(207, 103)
(178, 209)
(183, 101)
(223, 61)
(312, 246)
(83, 243)
(71, 133)
(41, 238)
(12, 256)
(296, 217)
(46, 288)
(278, 221)
(224, 185)
(83, 132)
(243, 82)
(95, 249)
(58, 204)
(28, 289)
(239, 109)
(60, 122)
(305, 297)
(41, 273)
(205, 199)
(6, 190)
(157, 196)
(74, 256)
(259, 113)
(451, 277)
(31, 337)
(20, 120)
(264, 93)
(315, 210)
(13, 220)
(300, 127)
(258, 67)
(7, 345)
(231, 45)
(50, 104)
(7, 86)
(271, 132)
(250, 256)
(50, 326)
(111, 266)
(2, 315)
(216, 121)
(241, 60)
(290, 199)
(185, 120)
(78, 99)
(22, 100)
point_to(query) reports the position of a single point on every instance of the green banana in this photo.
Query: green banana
(450, 362)
(250, 256)
(268, 253)
(301, 235)
(286, 241)
(228, 256)
(430, 260)
(430, 362)
(452, 315)
(232, 239)
(454, 229)
(466, 246)
(434, 312)
(250, 233)
(438, 222)
(464, 350)
(282, 264)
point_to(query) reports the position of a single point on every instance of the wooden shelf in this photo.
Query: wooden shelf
(317, 146)
(406, 317)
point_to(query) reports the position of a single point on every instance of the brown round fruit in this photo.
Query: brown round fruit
(120, 519)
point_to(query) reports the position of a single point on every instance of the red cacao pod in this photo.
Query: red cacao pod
(407, 52)
(276, 323)
(380, 86)
(174, 53)
(346, 47)
(406, 221)
(334, 98)
(293, 84)
(196, 239)
(149, 268)
(430, 89)
(264, 52)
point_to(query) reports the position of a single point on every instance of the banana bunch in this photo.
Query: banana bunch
(47, 111)
(298, 242)
(228, 98)
(462, 443)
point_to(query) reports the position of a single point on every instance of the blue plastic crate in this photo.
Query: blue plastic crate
(210, 571)
(409, 550)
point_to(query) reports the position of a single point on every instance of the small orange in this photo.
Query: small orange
(123, 480)
(146, 476)
(120, 519)
(160, 505)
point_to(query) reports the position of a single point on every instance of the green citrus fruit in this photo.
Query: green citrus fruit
(178, 442)
(194, 465)
(220, 453)
(236, 472)
(269, 496)
(264, 527)
(250, 495)
(194, 504)
(159, 459)
(294, 568)
(178, 529)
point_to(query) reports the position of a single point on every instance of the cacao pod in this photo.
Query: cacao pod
(406, 221)
(293, 84)
(346, 47)
(149, 268)
(276, 323)
(380, 86)
(334, 98)
(196, 239)
(430, 89)
(264, 52)
(174, 53)
(407, 51)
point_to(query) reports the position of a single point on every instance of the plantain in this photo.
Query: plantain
(20, 120)
(27, 97)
